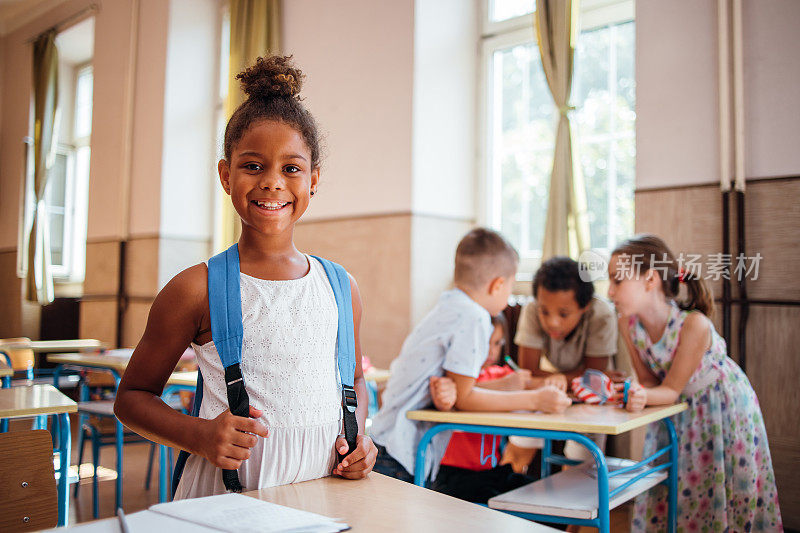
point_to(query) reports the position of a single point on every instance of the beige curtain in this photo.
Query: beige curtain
(255, 31)
(567, 229)
(45, 127)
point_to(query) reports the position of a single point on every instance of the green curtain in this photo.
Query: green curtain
(45, 128)
(566, 228)
(255, 31)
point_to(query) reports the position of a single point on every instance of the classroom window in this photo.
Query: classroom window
(66, 195)
(67, 186)
(519, 122)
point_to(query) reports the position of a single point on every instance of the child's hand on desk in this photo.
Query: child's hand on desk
(637, 398)
(559, 381)
(227, 439)
(550, 400)
(443, 393)
(359, 463)
(523, 379)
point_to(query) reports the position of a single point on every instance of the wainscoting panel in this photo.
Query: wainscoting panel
(377, 253)
(690, 220)
(772, 228)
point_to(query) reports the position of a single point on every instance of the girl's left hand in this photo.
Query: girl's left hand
(637, 398)
(359, 463)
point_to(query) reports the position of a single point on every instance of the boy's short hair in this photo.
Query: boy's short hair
(483, 255)
(562, 273)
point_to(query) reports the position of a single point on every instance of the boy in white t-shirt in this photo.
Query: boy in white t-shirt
(453, 340)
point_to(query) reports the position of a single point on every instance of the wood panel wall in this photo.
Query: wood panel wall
(690, 220)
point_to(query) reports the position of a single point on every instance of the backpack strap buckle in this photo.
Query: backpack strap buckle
(349, 398)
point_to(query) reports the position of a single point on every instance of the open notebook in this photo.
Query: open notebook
(225, 512)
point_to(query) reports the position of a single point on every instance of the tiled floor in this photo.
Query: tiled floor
(136, 498)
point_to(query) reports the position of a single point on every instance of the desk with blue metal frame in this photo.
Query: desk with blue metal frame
(116, 365)
(37, 400)
(5, 374)
(570, 425)
(5, 378)
(37, 347)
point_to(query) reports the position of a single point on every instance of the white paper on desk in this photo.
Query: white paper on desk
(139, 522)
(122, 353)
(241, 514)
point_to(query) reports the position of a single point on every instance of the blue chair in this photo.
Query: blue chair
(95, 422)
(91, 416)
(95, 418)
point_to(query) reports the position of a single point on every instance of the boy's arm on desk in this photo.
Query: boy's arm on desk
(516, 381)
(472, 398)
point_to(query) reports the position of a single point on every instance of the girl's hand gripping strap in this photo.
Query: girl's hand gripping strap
(225, 306)
(345, 348)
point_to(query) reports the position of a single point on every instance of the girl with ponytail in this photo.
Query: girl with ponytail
(726, 481)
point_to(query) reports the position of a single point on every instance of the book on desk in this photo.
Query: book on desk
(234, 513)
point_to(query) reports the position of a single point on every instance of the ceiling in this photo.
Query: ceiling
(16, 13)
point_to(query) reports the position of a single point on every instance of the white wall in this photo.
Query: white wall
(111, 119)
(446, 36)
(190, 98)
(676, 93)
(677, 98)
(358, 58)
(444, 158)
(148, 119)
(771, 82)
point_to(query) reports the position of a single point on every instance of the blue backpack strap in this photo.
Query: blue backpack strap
(345, 346)
(225, 305)
(225, 308)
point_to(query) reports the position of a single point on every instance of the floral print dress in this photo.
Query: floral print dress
(725, 477)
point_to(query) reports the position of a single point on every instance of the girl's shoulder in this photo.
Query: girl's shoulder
(187, 291)
(192, 281)
(694, 325)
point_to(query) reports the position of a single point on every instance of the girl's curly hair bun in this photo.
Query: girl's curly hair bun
(271, 77)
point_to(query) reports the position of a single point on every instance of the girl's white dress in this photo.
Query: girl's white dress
(290, 371)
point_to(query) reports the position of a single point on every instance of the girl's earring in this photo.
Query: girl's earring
(312, 193)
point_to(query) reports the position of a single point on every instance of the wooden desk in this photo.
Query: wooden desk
(580, 418)
(377, 375)
(183, 379)
(570, 425)
(378, 503)
(114, 363)
(18, 402)
(117, 364)
(68, 345)
(36, 400)
(5, 374)
(381, 503)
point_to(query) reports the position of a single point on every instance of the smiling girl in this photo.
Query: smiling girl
(289, 315)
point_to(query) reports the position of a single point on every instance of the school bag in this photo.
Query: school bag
(225, 307)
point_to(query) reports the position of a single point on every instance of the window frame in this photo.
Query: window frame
(72, 269)
(64, 270)
(516, 31)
